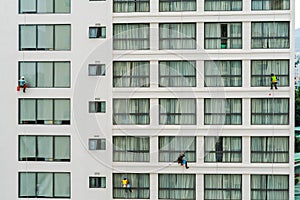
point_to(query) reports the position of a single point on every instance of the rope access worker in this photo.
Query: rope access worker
(273, 81)
(22, 84)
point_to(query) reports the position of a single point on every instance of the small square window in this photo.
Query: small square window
(97, 32)
(96, 69)
(97, 182)
(97, 144)
(97, 107)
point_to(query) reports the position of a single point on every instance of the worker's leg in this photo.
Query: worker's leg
(275, 85)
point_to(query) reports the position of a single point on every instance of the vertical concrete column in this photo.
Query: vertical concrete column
(200, 73)
(154, 110)
(246, 112)
(246, 30)
(246, 150)
(199, 186)
(200, 150)
(246, 187)
(154, 150)
(154, 37)
(200, 112)
(153, 186)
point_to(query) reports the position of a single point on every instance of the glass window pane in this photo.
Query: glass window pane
(62, 111)
(62, 185)
(27, 37)
(45, 6)
(28, 70)
(27, 184)
(62, 74)
(61, 148)
(27, 111)
(44, 185)
(45, 148)
(62, 6)
(62, 37)
(45, 74)
(45, 110)
(27, 148)
(45, 37)
(27, 6)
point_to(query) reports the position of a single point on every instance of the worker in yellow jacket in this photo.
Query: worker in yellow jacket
(273, 81)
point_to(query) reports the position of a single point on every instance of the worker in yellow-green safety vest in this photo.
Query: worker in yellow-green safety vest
(273, 81)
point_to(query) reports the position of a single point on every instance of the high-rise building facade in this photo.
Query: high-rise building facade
(120, 88)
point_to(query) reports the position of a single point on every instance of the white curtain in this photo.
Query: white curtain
(45, 6)
(223, 186)
(28, 70)
(45, 74)
(269, 149)
(177, 36)
(131, 111)
(62, 186)
(177, 111)
(177, 5)
(27, 6)
(265, 187)
(45, 37)
(131, 5)
(261, 72)
(270, 35)
(45, 147)
(131, 74)
(213, 35)
(62, 6)
(44, 187)
(177, 73)
(62, 37)
(131, 149)
(131, 36)
(62, 148)
(62, 111)
(27, 148)
(223, 149)
(27, 111)
(27, 184)
(44, 111)
(270, 4)
(28, 37)
(62, 74)
(223, 5)
(170, 147)
(223, 111)
(270, 111)
(223, 73)
(140, 184)
(176, 186)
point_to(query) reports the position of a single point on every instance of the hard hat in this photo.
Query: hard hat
(22, 77)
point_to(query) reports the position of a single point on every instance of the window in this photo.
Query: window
(44, 148)
(177, 111)
(177, 36)
(177, 186)
(223, 5)
(131, 36)
(97, 182)
(44, 37)
(49, 6)
(177, 5)
(131, 73)
(223, 111)
(44, 185)
(270, 35)
(269, 149)
(131, 6)
(46, 74)
(140, 184)
(177, 73)
(223, 35)
(97, 144)
(97, 32)
(44, 111)
(223, 149)
(272, 111)
(270, 4)
(97, 107)
(269, 187)
(223, 73)
(96, 69)
(131, 149)
(171, 146)
(131, 111)
(261, 72)
(222, 186)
